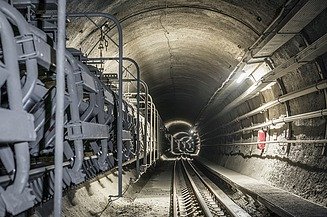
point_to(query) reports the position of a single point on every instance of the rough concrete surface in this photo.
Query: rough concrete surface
(185, 48)
(298, 168)
(88, 198)
(149, 196)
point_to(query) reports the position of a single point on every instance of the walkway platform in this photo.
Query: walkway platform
(277, 200)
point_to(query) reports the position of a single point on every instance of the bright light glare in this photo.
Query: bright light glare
(241, 78)
(180, 133)
(268, 87)
(177, 122)
(261, 71)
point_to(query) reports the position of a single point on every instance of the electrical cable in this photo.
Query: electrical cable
(110, 200)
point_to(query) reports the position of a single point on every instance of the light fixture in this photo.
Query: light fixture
(262, 70)
(177, 122)
(241, 78)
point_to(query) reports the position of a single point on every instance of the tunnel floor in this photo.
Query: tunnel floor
(153, 193)
(150, 196)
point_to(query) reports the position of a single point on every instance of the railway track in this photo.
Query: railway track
(193, 194)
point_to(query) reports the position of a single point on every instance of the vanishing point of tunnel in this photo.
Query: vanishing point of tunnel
(163, 108)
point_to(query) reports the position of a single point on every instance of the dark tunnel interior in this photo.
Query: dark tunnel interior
(235, 90)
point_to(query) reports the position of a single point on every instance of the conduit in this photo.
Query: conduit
(293, 95)
(60, 94)
(308, 115)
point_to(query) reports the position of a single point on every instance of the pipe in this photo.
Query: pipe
(31, 64)
(308, 115)
(302, 57)
(15, 102)
(60, 94)
(284, 98)
(305, 141)
(145, 139)
(120, 93)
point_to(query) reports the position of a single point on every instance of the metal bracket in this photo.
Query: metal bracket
(23, 39)
(3, 75)
(76, 177)
(108, 97)
(17, 202)
(89, 82)
(42, 51)
(127, 135)
(22, 122)
(88, 131)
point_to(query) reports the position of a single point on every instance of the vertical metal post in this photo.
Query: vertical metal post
(172, 144)
(145, 139)
(120, 92)
(60, 83)
(154, 133)
(158, 134)
(151, 129)
(138, 122)
(150, 137)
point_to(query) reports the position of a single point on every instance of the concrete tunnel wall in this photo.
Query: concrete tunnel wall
(299, 168)
(187, 49)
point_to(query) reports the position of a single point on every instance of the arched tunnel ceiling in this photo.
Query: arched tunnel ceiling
(185, 49)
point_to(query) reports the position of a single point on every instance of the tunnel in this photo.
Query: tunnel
(163, 108)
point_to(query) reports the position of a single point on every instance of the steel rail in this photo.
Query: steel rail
(232, 208)
(174, 199)
(197, 193)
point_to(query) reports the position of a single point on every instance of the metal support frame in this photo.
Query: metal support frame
(31, 63)
(152, 109)
(17, 196)
(76, 173)
(120, 91)
(138, 80)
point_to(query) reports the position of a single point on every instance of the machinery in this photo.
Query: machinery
(28, 108)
